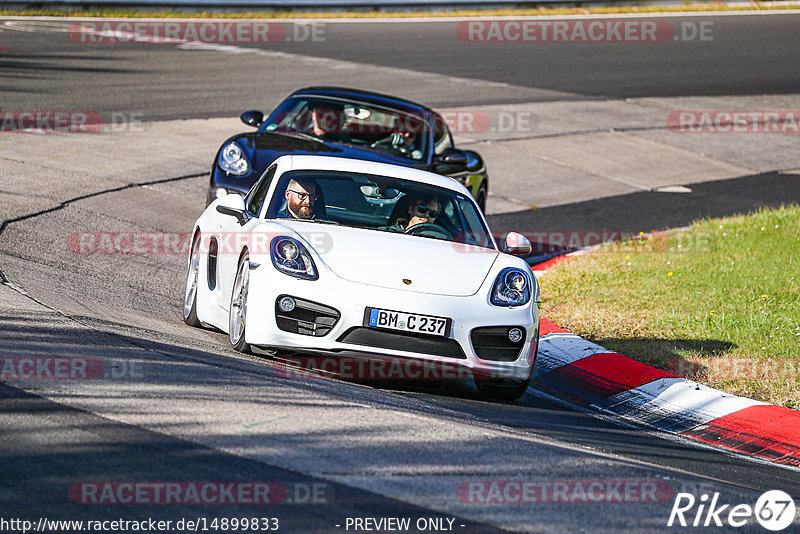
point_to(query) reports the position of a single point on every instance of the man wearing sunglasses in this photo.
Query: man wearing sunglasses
(301, 195)
(423, 211)
(420, 210)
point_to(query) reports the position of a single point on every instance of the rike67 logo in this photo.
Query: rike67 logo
(774, 510)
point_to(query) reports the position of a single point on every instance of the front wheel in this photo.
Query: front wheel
(502, 388)
(480, 198)
(190, 294)
(238, 310)
(508, 390)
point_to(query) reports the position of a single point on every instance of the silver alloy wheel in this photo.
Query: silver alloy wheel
(238, 312)
(190, 294)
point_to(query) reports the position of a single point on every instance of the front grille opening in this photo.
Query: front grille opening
(492, 343)
(421, 344)
(307, 318)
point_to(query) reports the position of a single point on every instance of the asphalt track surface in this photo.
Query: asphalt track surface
(748, 55)
(55, 437)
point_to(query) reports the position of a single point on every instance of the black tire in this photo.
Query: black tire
(501, 389)
(239, 306)
(192, 276)
(505, 389)
(480, 198)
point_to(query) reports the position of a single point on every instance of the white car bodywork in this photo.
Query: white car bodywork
(358, 268)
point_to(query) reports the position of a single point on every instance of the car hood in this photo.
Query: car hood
(270, 145)
(262, 148)
(390, 260)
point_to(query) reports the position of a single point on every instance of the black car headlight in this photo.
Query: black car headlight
(233, 161)
(290, 257)
(512, 287)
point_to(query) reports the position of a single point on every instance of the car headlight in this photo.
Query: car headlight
(290, 257)
(220, 192)
(512, 287)
(232, 160)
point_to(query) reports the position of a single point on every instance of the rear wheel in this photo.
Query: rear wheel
(190, 294)
(238, 310)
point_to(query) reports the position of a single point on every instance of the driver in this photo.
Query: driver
(301, 197)
(403, 141)
(420, 210)
(327, 121)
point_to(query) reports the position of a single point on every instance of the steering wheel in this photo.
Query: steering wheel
(429, 230)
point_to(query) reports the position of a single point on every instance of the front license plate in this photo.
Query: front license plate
(407, 322)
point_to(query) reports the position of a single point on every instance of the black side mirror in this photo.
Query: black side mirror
(451, 160)
(474, 161)
(240, 215)
(452, 156)
(253, 118)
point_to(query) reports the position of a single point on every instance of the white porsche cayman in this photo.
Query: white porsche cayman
(340, 257)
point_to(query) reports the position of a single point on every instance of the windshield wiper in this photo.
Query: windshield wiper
(301, 135)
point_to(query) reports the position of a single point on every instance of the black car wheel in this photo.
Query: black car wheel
(502, 389)
(190, 293)
(480, 198)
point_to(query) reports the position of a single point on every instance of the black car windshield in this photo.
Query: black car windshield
(379, 203)
(382, 129)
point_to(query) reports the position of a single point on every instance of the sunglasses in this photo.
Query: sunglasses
(422, 209)
(304, 196)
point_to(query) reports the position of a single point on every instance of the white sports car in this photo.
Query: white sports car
(338, 257)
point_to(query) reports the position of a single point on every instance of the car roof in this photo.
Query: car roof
(367, 97)
(328, 163)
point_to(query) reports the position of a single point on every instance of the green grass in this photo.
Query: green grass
(299, 14)
(718, 303)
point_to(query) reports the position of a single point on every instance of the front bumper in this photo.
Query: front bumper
(347, 336)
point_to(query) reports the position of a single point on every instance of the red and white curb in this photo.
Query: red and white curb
(541, 268)
(581, 372)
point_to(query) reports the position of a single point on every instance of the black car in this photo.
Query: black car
(335, 121)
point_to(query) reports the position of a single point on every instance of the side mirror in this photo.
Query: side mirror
(253, 118)
(474, 161)
(241, 216)
(233, 205)
(452, 157)
(517, 244)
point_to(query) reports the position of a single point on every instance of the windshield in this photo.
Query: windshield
(379, 203)
(384, 130)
